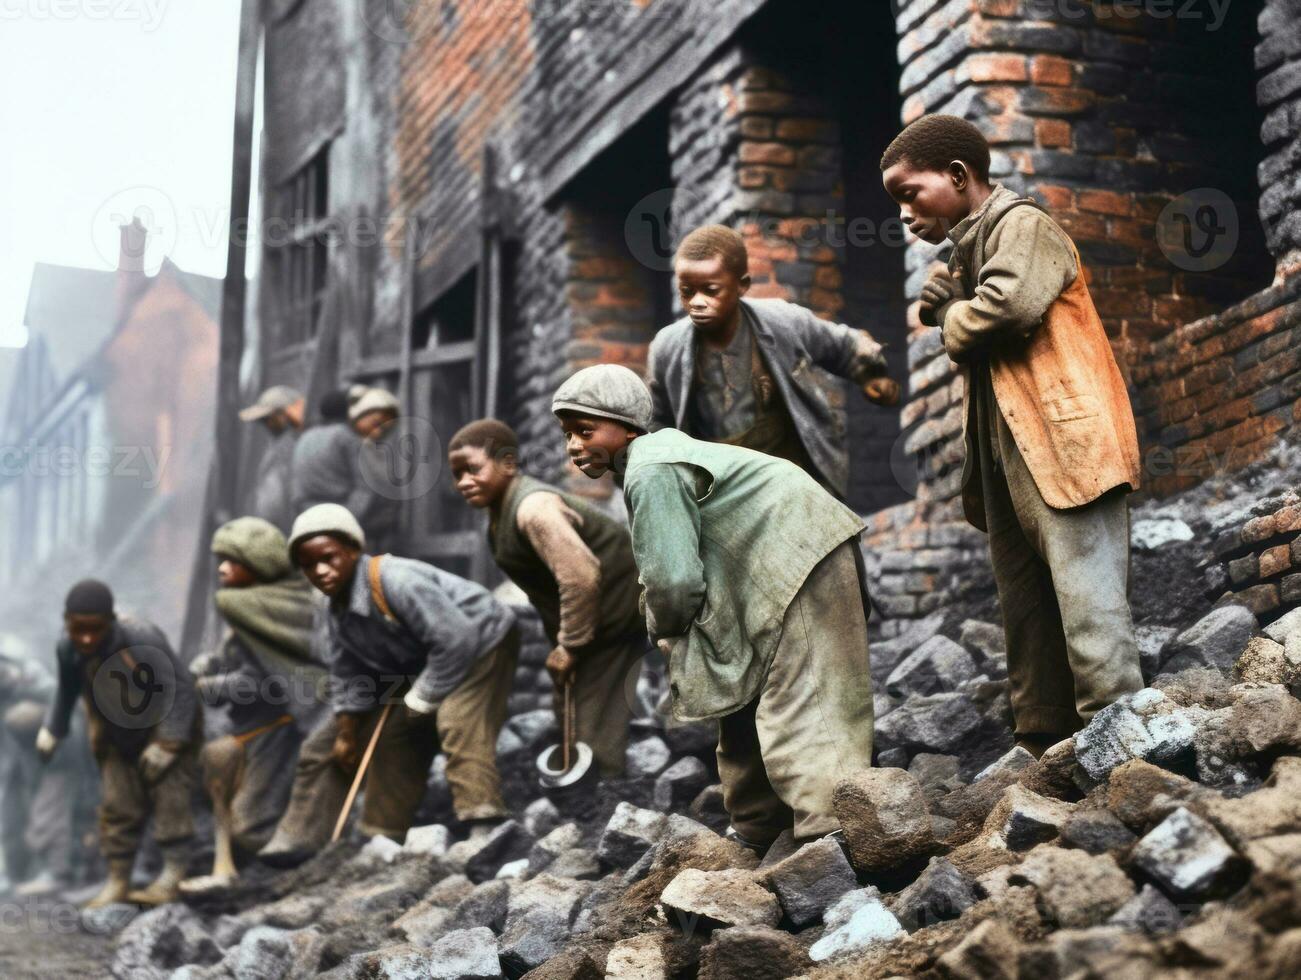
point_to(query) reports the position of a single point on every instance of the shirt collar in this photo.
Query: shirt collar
(359, 600)
(963, 227)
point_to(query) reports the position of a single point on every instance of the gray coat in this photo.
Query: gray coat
(325, 468)
(792, 342)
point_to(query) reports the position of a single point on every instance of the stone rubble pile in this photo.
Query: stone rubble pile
(1164, 839)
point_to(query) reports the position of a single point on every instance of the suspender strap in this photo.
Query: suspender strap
(377, 589)
(247, 737)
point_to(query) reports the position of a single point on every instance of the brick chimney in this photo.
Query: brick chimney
(131, 251)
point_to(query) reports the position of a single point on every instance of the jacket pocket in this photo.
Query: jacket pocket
(1071, 408)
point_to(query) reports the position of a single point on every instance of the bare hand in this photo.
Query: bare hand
(345, 751)
(882, 391)
(940, 289)
(155, 760)
(562, 666)
(46, 743)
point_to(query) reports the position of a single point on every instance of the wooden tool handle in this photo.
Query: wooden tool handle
(361, 773)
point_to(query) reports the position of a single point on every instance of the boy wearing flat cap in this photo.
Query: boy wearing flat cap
(438, 650)
(753, 588)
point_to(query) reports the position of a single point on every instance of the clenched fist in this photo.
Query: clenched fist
(882, 391)
(561, 665)
(345, 752)
(940, 290)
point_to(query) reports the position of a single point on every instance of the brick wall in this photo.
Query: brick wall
(1278, 60)
(1218, 392)
(1257, 559)
(767, 114)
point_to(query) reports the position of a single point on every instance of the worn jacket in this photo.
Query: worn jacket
(1054, 374)
(270, 664)
(441, 625)
(325, 468)
(136, 691)
(273, 484)
(793, 342)
(573, 562)
(724, 538)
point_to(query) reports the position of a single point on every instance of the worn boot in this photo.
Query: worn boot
(166, 887)
(284, 851)
(116, 888)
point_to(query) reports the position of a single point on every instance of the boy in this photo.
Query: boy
(266, 673)
(1051, 445)
(326, 458)
(280, 410)
(439, 649)
(753, 589)
(145, 728)
(575, 564)
(739, 371)
(375, 500)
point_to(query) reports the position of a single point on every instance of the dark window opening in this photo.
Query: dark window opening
(297, 252)
(842, 53)
(450, 318)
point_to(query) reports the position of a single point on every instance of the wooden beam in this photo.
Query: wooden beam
(222, 496)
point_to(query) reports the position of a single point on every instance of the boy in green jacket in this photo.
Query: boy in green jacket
(575, 564)
(752, 585)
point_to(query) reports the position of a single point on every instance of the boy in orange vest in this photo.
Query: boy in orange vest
(1051, 450)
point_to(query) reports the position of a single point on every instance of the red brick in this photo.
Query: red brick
(829, 277)
(1052, 132)
(1288, 519)
(1105, 202)
(1056, 197)
(995, 68)
(771, 154)
(809, 130)
(1275, 561)
(1050, 70)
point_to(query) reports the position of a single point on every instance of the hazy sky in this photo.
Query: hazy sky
(108, 107)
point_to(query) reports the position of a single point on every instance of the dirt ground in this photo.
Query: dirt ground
(41, 941)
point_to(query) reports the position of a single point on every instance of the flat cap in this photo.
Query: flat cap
(274, 399)
(608, 391)
(373, 400)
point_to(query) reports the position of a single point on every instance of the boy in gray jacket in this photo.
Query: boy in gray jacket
(741, 371)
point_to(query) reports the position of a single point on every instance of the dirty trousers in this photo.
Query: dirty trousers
(781, 756)
(465, 727)
(127, 801)
(605, 690)
(1063, 578)
(245, 776)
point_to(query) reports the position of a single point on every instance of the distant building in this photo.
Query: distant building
(105, 437)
